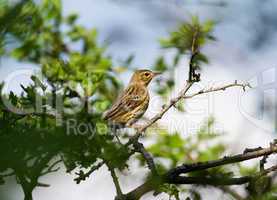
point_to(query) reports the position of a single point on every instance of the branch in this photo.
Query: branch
(214, 181)
(147, 156)
(151, 185)
(186, 168)
(182, 95)
(165, 108)
(173, 175)
(192, 65)
(222, 88)
(39, 184)
(116, 182)
(138, 192)
(83, 176)
(51, 168)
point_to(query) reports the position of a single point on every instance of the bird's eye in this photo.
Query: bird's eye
(147, 74)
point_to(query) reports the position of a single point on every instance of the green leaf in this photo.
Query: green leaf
(180, 106)
(170, 189)
(52, 9)
(160, 64)
(38, 82)
(190, 35)
(71, 19)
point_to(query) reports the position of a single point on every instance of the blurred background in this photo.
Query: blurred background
(245, 50)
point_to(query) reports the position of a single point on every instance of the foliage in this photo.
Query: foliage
(188, 39)
(190, 35)
(70, 76)
(178, 150)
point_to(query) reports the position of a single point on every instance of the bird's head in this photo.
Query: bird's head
(143, 76)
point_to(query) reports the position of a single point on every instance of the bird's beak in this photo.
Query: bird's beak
(156, 73)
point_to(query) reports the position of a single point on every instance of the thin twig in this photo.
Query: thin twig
(116, 182)
(167, 107)
(83, 176)
(51, 168)
(39, 184)
(220, 88)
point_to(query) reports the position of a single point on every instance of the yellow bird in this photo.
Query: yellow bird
(134, 100)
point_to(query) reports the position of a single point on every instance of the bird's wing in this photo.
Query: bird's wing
(130, 99)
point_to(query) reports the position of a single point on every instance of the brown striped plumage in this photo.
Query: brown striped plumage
(134, 100)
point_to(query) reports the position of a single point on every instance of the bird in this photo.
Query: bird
(133, 102)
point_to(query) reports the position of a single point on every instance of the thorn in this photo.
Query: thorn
(248, 150)
(42, 184)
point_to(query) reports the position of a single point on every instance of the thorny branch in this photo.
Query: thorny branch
(173, 175)
(220, 88)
